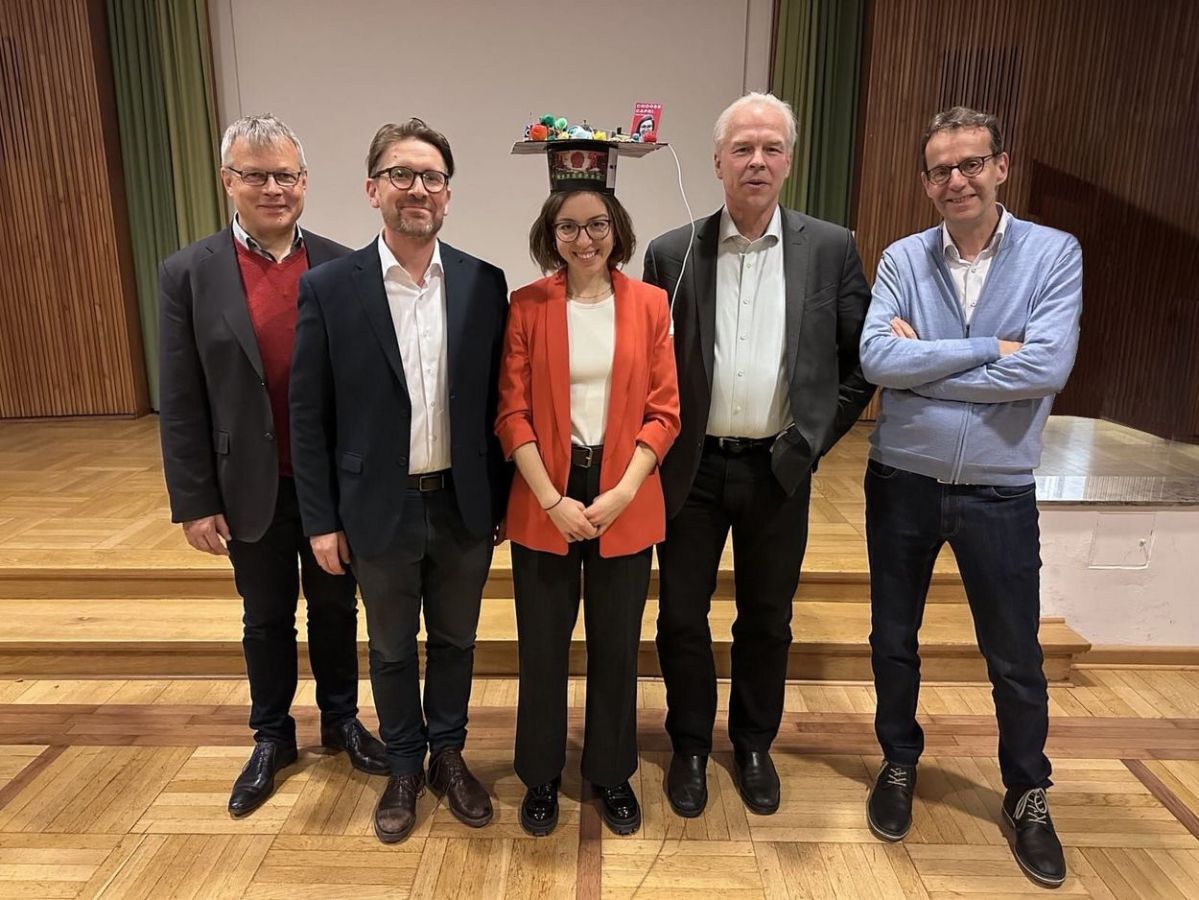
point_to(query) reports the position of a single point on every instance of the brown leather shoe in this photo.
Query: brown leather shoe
(466, 798)
(395, 816)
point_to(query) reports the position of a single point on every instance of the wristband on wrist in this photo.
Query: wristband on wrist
(555, 503)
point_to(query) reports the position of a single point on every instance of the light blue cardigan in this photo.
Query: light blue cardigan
(952, 408)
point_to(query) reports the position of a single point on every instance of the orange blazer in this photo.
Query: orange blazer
(534, 405)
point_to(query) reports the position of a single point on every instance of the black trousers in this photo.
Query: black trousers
(437, 564)
(268, 578)
(770, 534)
(995, 537)
(547, 605)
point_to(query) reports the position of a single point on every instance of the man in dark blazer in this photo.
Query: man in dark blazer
(393, 405)
(768, 307)
(228, 312)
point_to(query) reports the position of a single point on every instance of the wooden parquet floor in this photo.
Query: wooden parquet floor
(117, 789)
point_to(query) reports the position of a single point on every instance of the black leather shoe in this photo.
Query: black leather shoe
(687, 784)
(619, 808)
(889, 805)
(757, 781)
(1035, 844)
(539, 811)
(257, 779)
(366, 752)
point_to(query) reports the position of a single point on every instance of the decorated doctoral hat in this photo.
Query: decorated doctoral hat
(580, 158)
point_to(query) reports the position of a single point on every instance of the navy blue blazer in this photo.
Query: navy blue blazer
(350, 408)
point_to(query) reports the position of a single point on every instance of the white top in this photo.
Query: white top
(969, 276)
(749, 384)
(591, 336)
(418, 315)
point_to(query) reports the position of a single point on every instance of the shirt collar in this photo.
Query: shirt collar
(243, 238)
(728, 228)
(950, 249)
(389, 262)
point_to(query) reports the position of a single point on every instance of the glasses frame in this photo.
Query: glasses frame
(267, 176)
(928, 173)
(604, 225)
(390, 170)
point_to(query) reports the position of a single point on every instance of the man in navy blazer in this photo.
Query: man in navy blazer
(399, 473)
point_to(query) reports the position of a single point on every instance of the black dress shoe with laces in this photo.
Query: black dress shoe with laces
(366, 752)
(257, 779)
(889, 805)
(1034, 844)
(757, 781)
(619, 808)
(687, 784)
(539, 811)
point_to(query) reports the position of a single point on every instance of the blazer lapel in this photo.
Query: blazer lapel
(557, 347)
(703, 288)
(318, 250)
(368, 286)
(223, 286)
(795, 273)
(625, 345)
(457, 299)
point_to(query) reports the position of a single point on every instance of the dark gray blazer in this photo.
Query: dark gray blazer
(215, 420)
(827, 297)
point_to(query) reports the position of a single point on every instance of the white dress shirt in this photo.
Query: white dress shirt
(591, 336)
(749, 384)
(418, 315)
(969, 276)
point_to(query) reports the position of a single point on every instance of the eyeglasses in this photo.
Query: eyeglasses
(969, 167)
(568, 232)
(255, 178)
(403, 178)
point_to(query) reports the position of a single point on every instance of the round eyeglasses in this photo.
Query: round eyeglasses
(403, 178)
(568, 232)
(970, 167)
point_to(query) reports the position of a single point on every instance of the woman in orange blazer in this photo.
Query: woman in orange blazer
(588, 407)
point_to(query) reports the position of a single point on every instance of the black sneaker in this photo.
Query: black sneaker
(1034, 844)
(539, 811)
(889, 804)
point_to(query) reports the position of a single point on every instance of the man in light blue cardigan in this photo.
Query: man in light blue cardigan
(972, 330)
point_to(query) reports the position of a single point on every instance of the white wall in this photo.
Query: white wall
(1122, 575)
(479, 71)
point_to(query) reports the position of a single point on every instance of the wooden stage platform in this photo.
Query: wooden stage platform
(94, 580)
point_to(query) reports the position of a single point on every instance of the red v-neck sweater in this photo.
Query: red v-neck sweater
(272, 290)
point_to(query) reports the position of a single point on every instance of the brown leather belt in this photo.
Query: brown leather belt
(429, 481)
(585, 457)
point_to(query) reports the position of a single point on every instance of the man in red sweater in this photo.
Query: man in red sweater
(227, 324)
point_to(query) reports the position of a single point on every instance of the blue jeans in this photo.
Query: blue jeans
(995, 537)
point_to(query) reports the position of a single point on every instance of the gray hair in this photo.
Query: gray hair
(719, 133)
(961, 117)
(259, 131)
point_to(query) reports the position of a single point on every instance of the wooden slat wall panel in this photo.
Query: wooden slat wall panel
(70, 343)
(1099, 101)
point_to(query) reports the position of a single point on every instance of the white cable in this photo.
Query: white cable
(690, 218)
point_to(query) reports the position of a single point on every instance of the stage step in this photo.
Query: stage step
(834, 571)
(163, 638)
